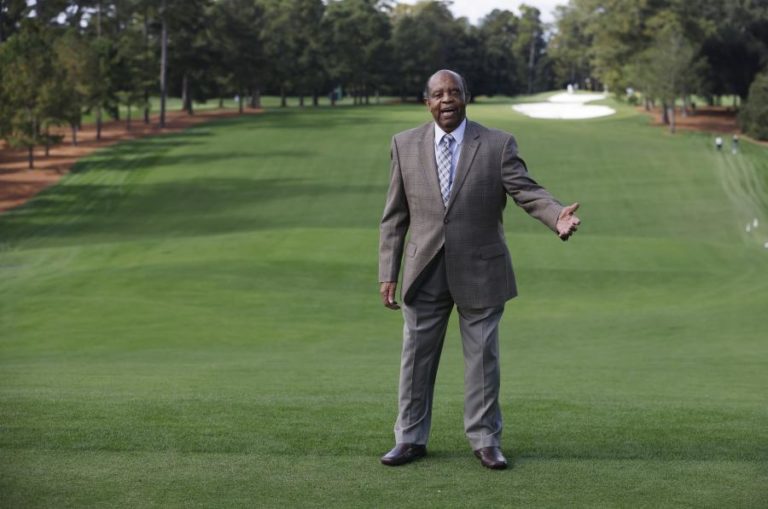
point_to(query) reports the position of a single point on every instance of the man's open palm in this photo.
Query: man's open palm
(567, 222)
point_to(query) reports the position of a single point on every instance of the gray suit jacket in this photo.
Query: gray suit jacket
(478, 265)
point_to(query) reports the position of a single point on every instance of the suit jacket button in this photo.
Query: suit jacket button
(445, 221)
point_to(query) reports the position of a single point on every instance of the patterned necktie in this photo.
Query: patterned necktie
(444, 166)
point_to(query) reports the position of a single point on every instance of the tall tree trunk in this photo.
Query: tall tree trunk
(47, 141)
(186, 97)
(73, 126)
(98, 122)
(221, 102)
(315, 98)
(664, 113)
(283, 101)
(146, 106)
(256, 97)
(163, 63)
(98, 18)
(240, 103)
(531, 57)
(647, 103)
(184, 92)
(101, 68)
(128, 118)
(31, 153)
(301, 100)
(146, 62)
(672, 118)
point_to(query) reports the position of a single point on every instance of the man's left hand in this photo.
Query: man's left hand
(567, 222)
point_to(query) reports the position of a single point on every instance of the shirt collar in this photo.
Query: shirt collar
(458, 133)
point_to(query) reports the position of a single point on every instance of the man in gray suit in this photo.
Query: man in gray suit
(448, 188)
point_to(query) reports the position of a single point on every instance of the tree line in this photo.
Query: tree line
(61, 59)
(671, 51)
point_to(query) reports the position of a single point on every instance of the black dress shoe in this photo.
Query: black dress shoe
(491, 457)
(404, 453)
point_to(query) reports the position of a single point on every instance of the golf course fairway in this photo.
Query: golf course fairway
(193, 320)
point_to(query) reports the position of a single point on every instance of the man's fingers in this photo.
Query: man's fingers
(567, 222)
(390, 295)
(570, 209)
(567, 227)
(387, 292)
(391, 303)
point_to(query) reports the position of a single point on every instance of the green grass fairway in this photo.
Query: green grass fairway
(193, 321)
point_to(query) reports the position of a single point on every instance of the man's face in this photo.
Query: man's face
(446, 101)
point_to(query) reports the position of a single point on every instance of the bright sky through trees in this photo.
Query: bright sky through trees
(477, 9)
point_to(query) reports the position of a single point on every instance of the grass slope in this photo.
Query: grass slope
(193, 321)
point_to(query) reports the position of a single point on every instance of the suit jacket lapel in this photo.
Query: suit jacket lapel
(468, 151)
(428, 162)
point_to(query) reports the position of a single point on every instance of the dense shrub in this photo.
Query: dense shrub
(754, 114)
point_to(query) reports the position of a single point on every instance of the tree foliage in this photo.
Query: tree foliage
(754, 116)
(61, 58)
(667, 49)
(357, 46)
(31, 87)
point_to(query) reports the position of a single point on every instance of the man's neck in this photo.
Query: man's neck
(440, 132)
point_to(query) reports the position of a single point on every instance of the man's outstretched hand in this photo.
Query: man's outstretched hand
(387, 292)
(567, 222)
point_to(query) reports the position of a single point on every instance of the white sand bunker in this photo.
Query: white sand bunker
(566, 106)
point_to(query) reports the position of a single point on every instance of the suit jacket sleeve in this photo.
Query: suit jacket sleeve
(526, 192)
(394, 223)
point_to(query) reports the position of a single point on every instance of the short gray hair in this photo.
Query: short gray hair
(461, 80)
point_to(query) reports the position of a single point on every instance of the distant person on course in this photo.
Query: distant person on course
(448, 188)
